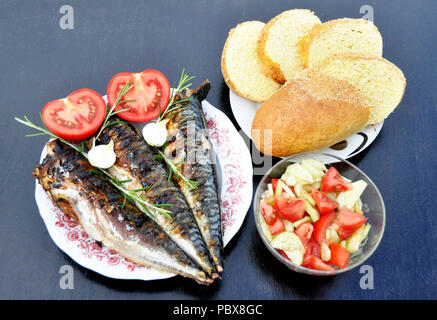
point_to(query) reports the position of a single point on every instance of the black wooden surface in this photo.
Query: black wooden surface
(40, 62)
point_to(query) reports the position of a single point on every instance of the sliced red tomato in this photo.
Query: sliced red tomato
(318, 264)
(332, 181)
(151, 92)
(268, 212)
(339, 256)
(323, 203)
(320, 226)
(277, 227)
(76, 117)
(348, 222)
(290, 208)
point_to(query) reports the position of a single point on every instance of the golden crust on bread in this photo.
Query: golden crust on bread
(302, 21)
(311, 112)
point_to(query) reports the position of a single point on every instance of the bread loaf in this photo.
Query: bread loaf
(241, 68)
(277, 47)
(339, 36)
(311, 112)
(379, 81)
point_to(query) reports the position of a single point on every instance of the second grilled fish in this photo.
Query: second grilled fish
(190, 147)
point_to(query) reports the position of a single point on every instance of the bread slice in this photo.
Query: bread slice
(379, 81)
(339, 36)
(240, 66)
(277, 44)
(310, 112)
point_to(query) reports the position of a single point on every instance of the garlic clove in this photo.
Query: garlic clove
(102, 156)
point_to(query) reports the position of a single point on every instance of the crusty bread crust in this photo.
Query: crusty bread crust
(271, 68)
(306, 41)
(311, 112)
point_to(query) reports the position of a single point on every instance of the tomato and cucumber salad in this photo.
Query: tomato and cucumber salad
(82, 112)
(313, 216)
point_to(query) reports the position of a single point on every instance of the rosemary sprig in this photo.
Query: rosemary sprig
(173, 169)
(129, 194)
(111, 112)
(184, 83)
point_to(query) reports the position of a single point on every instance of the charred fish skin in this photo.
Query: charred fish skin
(136, 161)
(75, 187)
(189, 144)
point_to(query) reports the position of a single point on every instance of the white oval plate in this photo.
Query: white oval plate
(244, 111)
(235, 173)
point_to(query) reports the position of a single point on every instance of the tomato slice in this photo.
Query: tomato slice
(268, 212)
(151, 92)
(76, 117)
(318, 264)
(332, 181)
(304, 232)
(312, 249)
(339, 255)
(320, 226)
(277, 227)
(290, 208)
(323, 203)
(348, 222)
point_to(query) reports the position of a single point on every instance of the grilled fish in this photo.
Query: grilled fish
(189, 146)
(136, 164)
(74, 186)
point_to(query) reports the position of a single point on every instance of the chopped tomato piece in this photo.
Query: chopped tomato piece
(277, 227)
(268, 213)
(348, 222)
(274, 184)
(334, 182)
(339, 255)
(290, 208)
(312, 249)
(320, 226)
(304, 232)
(323, 203)
(318, 264)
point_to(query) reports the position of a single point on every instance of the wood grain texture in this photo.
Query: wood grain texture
(41, 62)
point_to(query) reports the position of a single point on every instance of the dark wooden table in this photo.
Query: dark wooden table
(40, 61)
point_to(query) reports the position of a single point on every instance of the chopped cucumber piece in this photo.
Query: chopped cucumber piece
(350, 197)
(313, 212)
(300, 221)
(354, 241)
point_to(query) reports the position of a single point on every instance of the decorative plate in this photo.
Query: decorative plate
(244, 111)
(235, 180)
